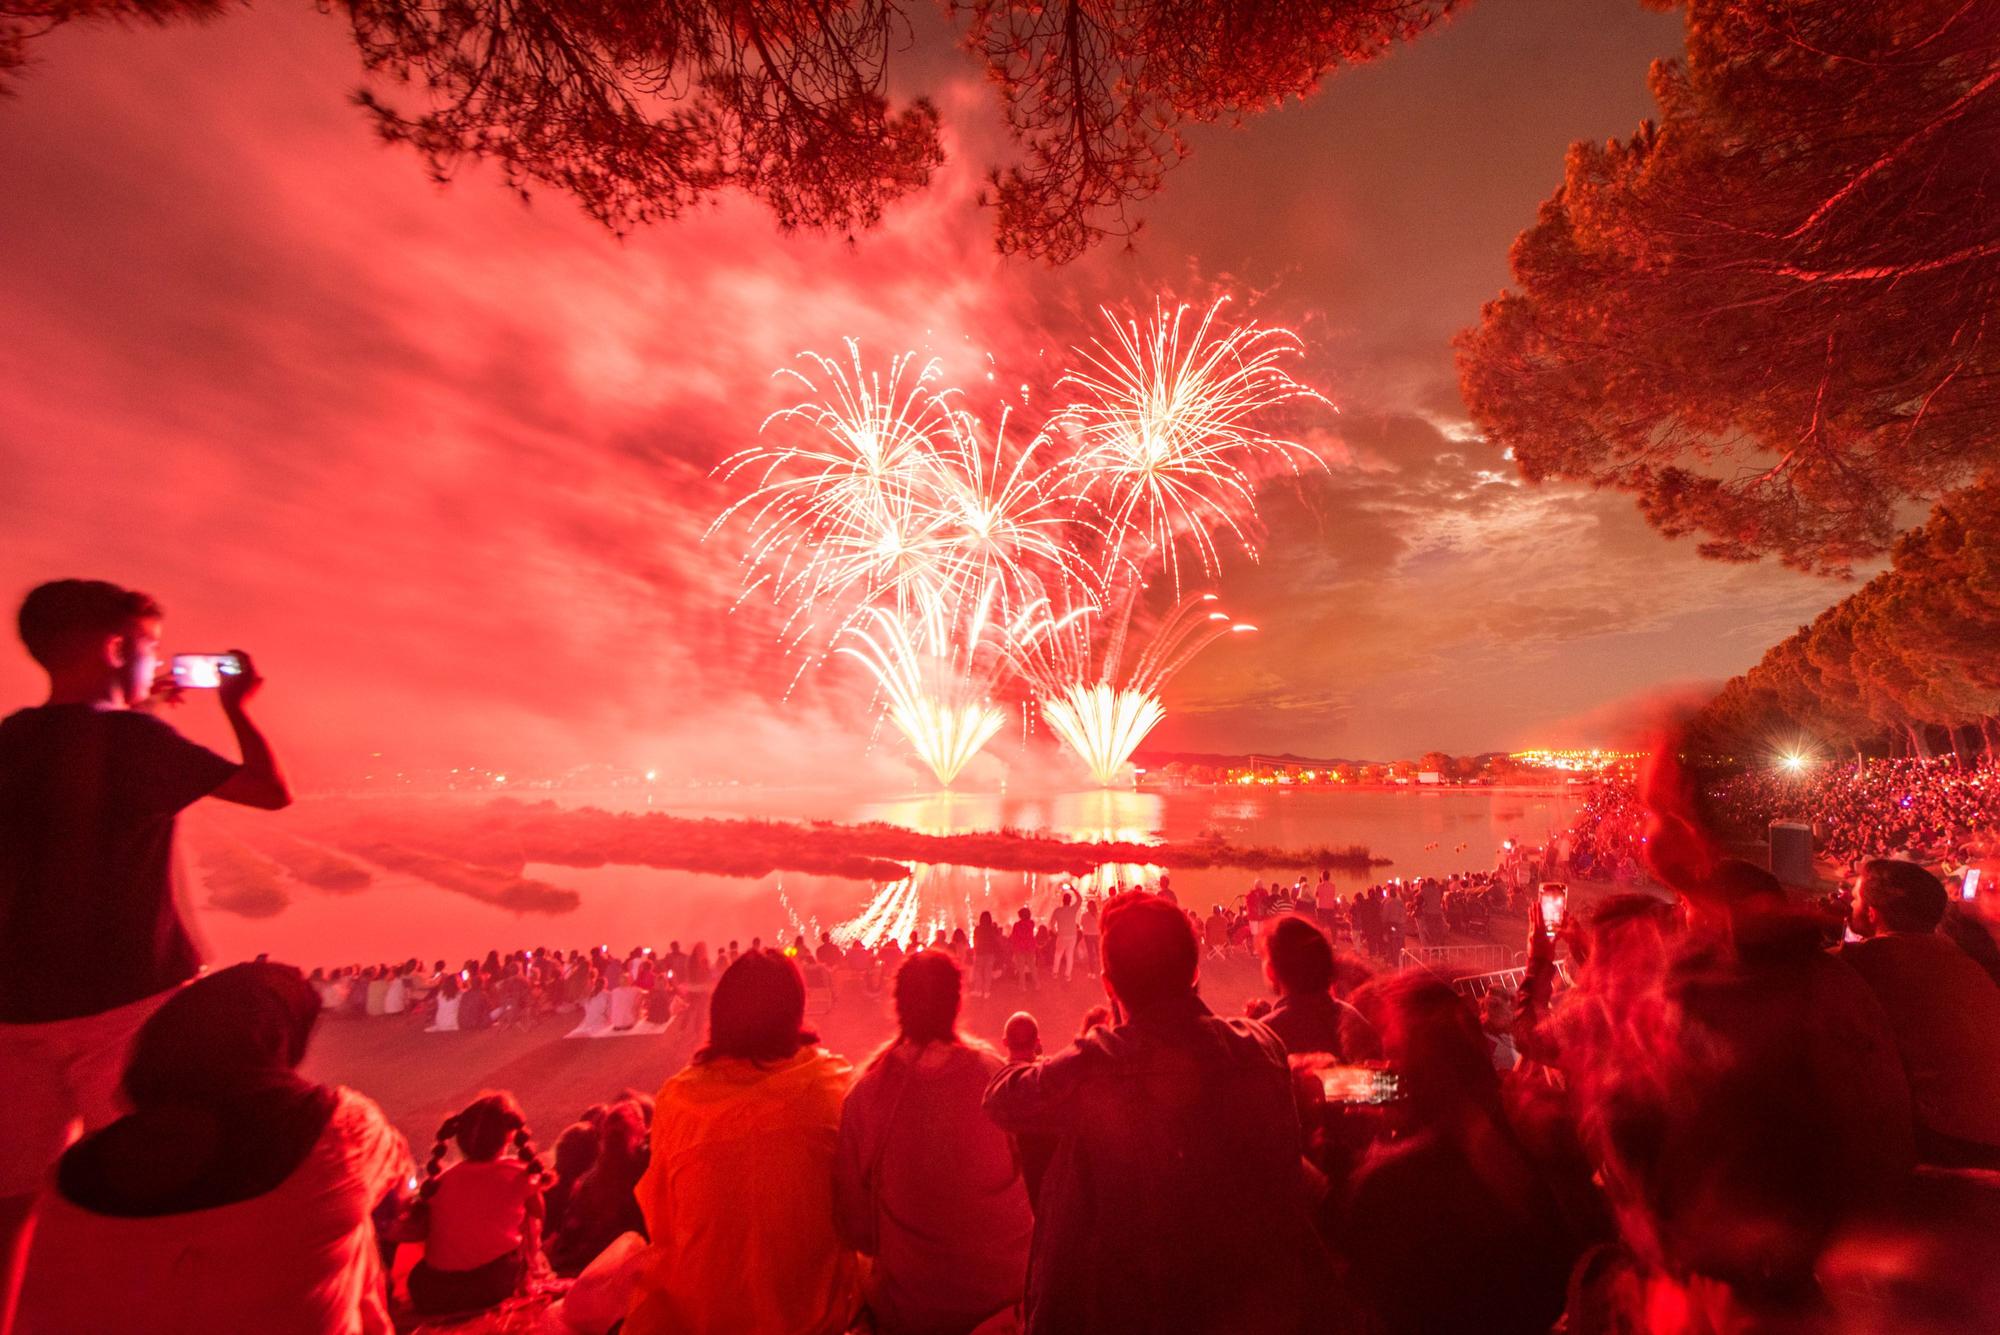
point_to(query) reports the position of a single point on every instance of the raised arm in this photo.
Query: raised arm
(258, 783)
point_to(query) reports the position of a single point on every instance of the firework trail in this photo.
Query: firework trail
(1090, 699)
(939, 674)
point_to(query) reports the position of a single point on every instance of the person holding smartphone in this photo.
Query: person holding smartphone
(90, 784)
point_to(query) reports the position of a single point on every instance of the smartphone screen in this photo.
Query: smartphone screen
(1971, 888)
(198, 672)
(1555, 905)
(1357, 1084)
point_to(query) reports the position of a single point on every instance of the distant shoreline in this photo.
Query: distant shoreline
(458, 842)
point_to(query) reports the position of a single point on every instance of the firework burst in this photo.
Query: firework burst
(1090, 699)
(1168, 419)
(893, 529)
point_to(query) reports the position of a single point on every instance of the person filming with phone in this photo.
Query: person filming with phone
(91, 938)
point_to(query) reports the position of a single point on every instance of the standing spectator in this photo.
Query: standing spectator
(1395, 919)
(235, 1196)
(1942, 1008)
(989, 945)
(1451, 1227)
(1430, 912)
(738, 1195)
(925, 1182)
(90, 785)
(1022, 944)
(1175, 1199)
(1087, 930)
(1064, 922)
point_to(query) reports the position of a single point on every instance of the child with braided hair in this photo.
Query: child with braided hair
(480, 1218)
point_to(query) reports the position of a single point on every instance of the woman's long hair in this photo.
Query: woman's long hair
(482, 1129)
(758, 1010)
(928, 990)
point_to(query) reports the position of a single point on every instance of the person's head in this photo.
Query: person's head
(1023, 1037)
(1023, 915)
(482, 1130)
(237, 1031)
(1627, 930)
(622, 1139)
(1433, 1040)
(1298, 959)
(576, 1150)
(1730, 893)
(93, 638)
(1894, 896)
(927, 998)
(1150, 952)
(758, 1010)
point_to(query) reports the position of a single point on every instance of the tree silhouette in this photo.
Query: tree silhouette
(1916, 648)
(1096, 91)
(641, 109)
(1771, 316)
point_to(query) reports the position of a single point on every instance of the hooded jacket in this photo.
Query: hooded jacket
(738, 1199)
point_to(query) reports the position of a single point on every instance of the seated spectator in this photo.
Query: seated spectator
(602, 1205)
(738, 1195)
(475, 1004)
(1175, 1199)
(628, 1002)
(1942, 1008)
(1450, 1227)
(481, 1218)
(576, 1152)
(596, 1009)
(1298, 962)
(925, 1182)
(235, 1196)
(449, 999)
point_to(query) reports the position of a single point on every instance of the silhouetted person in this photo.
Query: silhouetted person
(925, 1182)
(602, 1205)
(1942, 1008)
(1174, 1200)
(738, 1192)
(1451, 1227)
(235, 1196)
(1298, 962)
(90, 785)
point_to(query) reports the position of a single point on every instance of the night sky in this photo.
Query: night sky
(441, 459)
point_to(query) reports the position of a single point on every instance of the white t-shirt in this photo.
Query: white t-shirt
(1064, 920)
(627, 1004)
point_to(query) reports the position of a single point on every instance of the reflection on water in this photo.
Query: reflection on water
(397, 912)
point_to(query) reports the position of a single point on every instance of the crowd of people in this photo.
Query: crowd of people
(1942, 811)
(1709, 1109)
